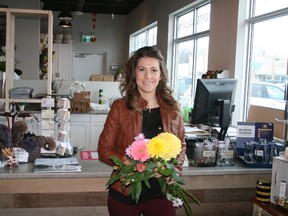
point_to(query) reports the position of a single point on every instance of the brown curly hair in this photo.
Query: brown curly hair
(128, 86)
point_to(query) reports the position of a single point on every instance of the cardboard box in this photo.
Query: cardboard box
(108, 78)
(101, 78)
(95, 77)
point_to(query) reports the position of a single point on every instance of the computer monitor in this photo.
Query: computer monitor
(213, 103)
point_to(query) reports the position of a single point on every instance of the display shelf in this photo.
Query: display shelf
(268, 208)
(11, 15)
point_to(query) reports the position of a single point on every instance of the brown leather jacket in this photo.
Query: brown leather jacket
(122, 126)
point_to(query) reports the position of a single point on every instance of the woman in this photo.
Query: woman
(147, 107)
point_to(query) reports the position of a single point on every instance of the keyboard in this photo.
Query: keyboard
(198, 136)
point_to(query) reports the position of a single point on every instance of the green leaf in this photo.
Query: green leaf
(162, 183)
(113, 179)
(147, 175)
(166, 172)
(146, 182)
(116, 161)
(135, 191)
(127, 169)
(150, 166)
(178, 178)
(130, 178)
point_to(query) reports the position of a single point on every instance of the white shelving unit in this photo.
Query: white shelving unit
(11, 15)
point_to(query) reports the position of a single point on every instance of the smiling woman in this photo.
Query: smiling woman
(144, 85)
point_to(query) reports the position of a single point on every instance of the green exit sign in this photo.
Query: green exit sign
(88, 38)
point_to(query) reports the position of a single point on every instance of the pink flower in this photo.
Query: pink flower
(127, 151)
(140, 167)
(139, 137)
(138, 150)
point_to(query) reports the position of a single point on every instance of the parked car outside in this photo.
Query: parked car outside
(268, 95)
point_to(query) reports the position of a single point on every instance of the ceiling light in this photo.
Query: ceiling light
(65, 15)
(65, 24)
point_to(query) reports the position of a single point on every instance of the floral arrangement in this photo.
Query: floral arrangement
(43, 58)
(2, 58)
(153, 158)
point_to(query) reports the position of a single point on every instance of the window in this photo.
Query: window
(267, 67)
(145, 37)
(191, 43)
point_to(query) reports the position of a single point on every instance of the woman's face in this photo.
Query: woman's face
(148, 75)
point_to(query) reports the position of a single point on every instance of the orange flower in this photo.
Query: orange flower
(140, 167)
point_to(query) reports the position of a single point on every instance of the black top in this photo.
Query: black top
(152, 123)
(151, 127)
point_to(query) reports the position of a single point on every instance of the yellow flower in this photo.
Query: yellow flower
(165, 146)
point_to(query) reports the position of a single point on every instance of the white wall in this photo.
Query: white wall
(111, 35)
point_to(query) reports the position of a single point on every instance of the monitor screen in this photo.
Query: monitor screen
(213, 103)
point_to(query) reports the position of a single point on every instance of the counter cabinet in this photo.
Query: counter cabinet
(86, 129)
(221, 190)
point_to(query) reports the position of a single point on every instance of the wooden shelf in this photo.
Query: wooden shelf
(270, 208)
(11, 14)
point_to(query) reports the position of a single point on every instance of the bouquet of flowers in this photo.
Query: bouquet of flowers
(154, 158)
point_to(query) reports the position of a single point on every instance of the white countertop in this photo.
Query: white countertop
(97, 169)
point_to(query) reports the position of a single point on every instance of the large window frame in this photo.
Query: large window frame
(258, 17)
(146, 36)
(184, 87)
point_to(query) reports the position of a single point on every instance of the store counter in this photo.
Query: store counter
(220, 189)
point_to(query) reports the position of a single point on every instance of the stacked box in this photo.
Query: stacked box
(101, 78)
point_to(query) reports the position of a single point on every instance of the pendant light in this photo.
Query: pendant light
(65, 23)
(65, 17)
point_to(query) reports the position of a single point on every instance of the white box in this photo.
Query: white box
(279, 173)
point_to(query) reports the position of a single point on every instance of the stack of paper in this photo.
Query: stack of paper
(56, 165)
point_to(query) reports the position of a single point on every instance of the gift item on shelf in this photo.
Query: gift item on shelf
(64, 146)
(81, 102)
(226, 153)
(205, 153)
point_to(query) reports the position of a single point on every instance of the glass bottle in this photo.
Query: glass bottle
(101, 99)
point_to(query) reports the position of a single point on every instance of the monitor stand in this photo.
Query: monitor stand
(224, 117)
